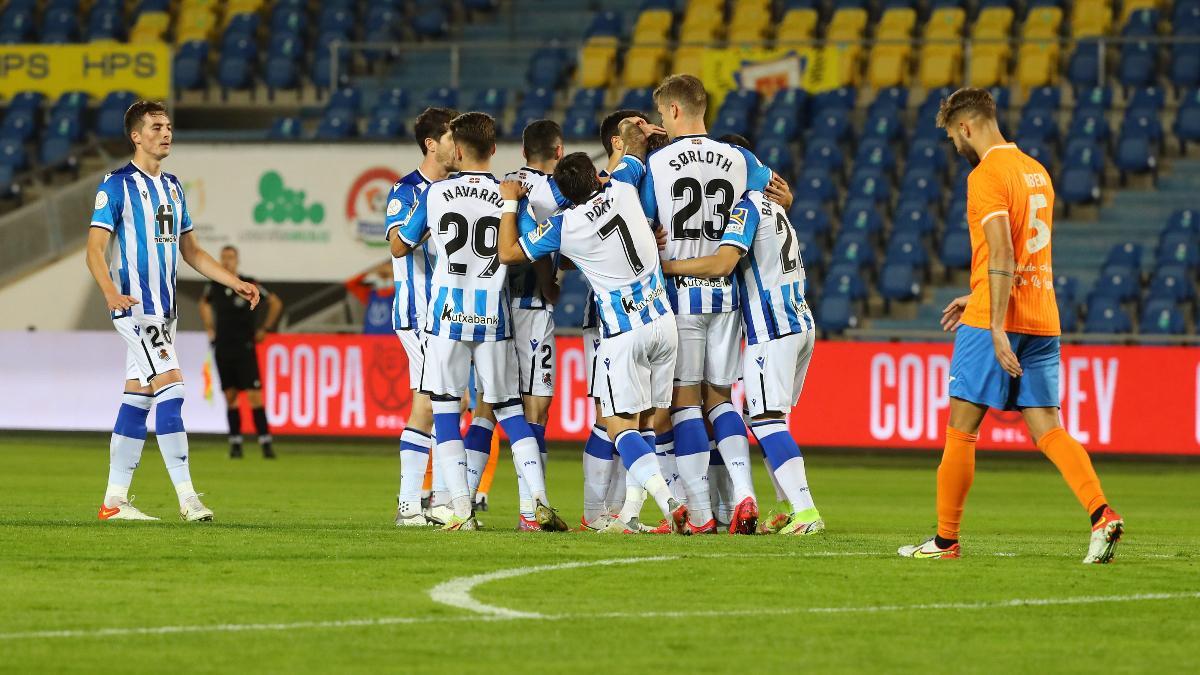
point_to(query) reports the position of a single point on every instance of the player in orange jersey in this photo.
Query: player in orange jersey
(1006, 350)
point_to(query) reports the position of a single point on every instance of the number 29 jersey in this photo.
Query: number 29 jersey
(461, 214)
(147, 215)
(690, 187)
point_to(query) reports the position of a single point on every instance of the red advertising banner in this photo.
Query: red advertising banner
(888, 395)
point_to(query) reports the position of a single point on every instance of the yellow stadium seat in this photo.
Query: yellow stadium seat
(704, 11)
(1042, 23)
(946, 23)
(689, 61)
(653, 27)
(152, 21)
(897, 22)
(644, 67)
(849, 60)
(196, 20)
(939, 66)
(1130, 6)
(187, 5)
(750, 21)
(888, 66)
(700, 31)
(1037, 64)
(243, 7)
(597, 61)
(993, 22)
(1091, 18)
(798, 25)
(847, 24)
(988, 68)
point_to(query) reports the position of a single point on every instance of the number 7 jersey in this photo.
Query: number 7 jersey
(461, 215)
(1009, 182)
(690, 187)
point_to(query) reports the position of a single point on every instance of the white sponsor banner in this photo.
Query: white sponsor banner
(312, 212)
(72, 381)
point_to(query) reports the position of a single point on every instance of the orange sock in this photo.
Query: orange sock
(489, 471)
(954, 477)
(427, 485)
(1075, 466)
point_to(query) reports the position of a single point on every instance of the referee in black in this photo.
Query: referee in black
(233, 331)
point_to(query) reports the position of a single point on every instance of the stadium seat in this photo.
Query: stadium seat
(1105, 315)
(1044, 99)
(1187, 120)
(285, 129)
(920, 185)
(776, 155)
(644, 66)
(824, 152)
(888, 65)
(1142, 123)
(939, 65)
(1091, 18)
(884, 124)
(1066, 288)
(1161, 317)
(898, 281)
(1038, 124)
(1083, 67)
(1185, 220)
(606, 24)
(588, 100)
(548, 68)
(914, 218)
(926, 153)
(860, 218)
(833, 125)
(1117, 282)
(835, 314)
(1139, 21)
(580, 125)
(1135, 155)
(334, 128)
(1068, 316)
(868, 184)
(809, 217)
(779, 124)
(1171, 282)
(875, 153)
(812, 254)
(1037, 64)
(597, 62)
(12, 153)
(384, 128)
(1178, 248)
(797, 27)
(1088, 125)
(955, 251)
(1139, 64)
(816, 184)
(110, 118)
(844, 280)
(907, 247)
(1038, 150)
(1128, 255)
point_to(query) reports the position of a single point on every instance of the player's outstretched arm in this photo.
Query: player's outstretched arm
(97, 244)
(1002, 265)
(719, 264)
(205, 264)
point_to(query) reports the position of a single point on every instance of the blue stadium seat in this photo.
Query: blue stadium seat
(844, 280)
(841, 99)
(915, 218)
(431, 22)
(588, 100)
(110, 118)
(1142, 122)
(1135, 154)
(898, 281)
(809, 216)
(780, 124)
(1068, 315)
(491, 101)
(1178, 248)
(1142, 23)
(868, 184)
(19, 124)
(285, 129)
(234, 72)
(59, 26)
(740, 99)
(832, 125)
(152, 6)
(1090, 126)
(1105, 315)
(1139, 64)
(1147, 98)
(1066, 288)
(955, 252)
(889, 98)
(823, 152)
(1171, 282)
(1162, 317)
(281, 72)
(1128, 254)
(55, 151)
(835, 314)
(334, 19)
(241, 46)
(907, 247)
(1184, 220)
(860, 218)
(812, 253)
(548, 67)
(605, 24)
(1117, 282)
(442, 97)
(734, 122)
(1093, 100)
(853, 248)
(920, 185)
(875, 153)
(1184, 70)
(384, 127)
(540, 98)
(189, 71)
(105, 24)
(777, 155)
(925, 153)
(27, 100)
(884, 124)
(580, 125)
(12, 153)
(1085, 153)
(285, 19)
(1039, 124)
(1038, 150)
(1044, 98)
(1187, 120)
(335, 128)
(1079, 186)
(789, 103)
(241, 25)
(1185, 19)
(1083, 68)
(638, 99)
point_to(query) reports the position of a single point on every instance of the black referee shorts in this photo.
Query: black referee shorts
(237, 366)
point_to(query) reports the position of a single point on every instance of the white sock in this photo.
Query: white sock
(414, 459)
(615, 496)
(664, 449)
(451, 456)
(635, 497)
(794, 480)
(438, 494)
(524, 499)
(172, 439)
(526, 454)
(125, 446)
(596, 475)
(691, 457)
(730, 433)
(645, 471)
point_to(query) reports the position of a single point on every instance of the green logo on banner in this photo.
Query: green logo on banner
(279, 204)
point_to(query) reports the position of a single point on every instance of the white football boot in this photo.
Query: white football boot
(193, 511)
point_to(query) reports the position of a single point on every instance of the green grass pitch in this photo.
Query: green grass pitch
(303, 571)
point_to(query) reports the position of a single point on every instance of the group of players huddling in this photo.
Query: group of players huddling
(685, 243)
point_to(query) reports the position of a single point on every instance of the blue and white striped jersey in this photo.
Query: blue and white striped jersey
(461, 215)
(690, 187)
(542, 201)
(771, 273)
(610, 241)
(412, 274)
(631, 170)
(148, 215)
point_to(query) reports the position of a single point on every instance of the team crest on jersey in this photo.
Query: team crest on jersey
(162, 354)
(174, 195)
(546, 379)
(101, 200)
(737, 220)
(394, 207)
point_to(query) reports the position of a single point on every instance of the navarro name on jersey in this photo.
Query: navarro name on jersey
(473, 192)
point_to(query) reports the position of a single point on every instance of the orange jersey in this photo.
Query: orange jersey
(1007, 181)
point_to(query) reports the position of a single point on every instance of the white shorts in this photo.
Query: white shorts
(774, 372)
(708, 348)
(591, 347)
(633, 369)
(447, 369)
(533, 333)
(150, 346)
(414, 345)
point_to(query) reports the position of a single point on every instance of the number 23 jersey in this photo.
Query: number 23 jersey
(1009, 182)
(461, 214)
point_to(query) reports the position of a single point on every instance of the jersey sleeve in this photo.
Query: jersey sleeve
(399, 206)
(185, 219)
(758, 175)
(987, 195)
(110, 199)
(544, 240)
(527, 220)
(631, 170)
(545, 199)
(649, 200)
(743, 223)
(560, 201)
(414, 228)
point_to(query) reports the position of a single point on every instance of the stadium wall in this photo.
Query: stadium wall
(858, 394)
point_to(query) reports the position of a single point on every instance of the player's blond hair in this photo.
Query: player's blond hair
(969, 101)
(686, 91)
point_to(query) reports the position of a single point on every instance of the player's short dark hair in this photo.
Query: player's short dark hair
(135, 116)
(736, 139)
(576, 177)
(970, 101)
(686, 91)
(611, 126)
(432, 123)
(476, 132)
(656, 142)
(540, 138)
